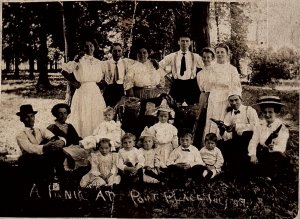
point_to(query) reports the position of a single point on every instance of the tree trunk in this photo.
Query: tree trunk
(70, 25)
(31, 64)
(199, 25)
(31, 67)
(17, 63)
(217, 16)
(43, 81)
(55, 65)
(7, 65)
(51, 65)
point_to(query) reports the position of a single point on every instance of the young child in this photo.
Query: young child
(211, 156)
(166, 135)
(108, 128)
(103, 167)
(148, 142)
(185, 161)
(130, 160)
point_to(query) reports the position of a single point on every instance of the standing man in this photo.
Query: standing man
(115, 71)
(184, 65)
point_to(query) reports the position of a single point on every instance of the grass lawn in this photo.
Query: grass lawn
(221, 198)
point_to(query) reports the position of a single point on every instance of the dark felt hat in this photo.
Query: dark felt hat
(25, 109)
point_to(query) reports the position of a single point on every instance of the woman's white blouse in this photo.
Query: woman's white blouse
(88, 69)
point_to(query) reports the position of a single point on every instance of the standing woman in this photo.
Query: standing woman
(204, 83)
(87, 103)
(144, 77)
(223, 79)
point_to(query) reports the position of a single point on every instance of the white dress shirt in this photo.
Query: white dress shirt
(245, 120)
(191, 157)
(192, 61)
(212, 157)
(133, 156)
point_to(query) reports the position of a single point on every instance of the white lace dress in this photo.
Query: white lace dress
(101, 166)
(87, 104)
(166, 135)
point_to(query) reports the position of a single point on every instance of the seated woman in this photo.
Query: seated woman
(144, 77)
(268, 144)
(77, 156)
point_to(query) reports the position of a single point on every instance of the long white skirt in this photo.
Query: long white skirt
(87, 109)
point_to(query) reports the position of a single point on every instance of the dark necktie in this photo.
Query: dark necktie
(236, 112)
(188, 150)
(33, 132)
(183, 64)
(116, 72)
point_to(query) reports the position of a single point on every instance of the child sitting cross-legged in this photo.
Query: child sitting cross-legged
(211, 156)
(185, 162)
(103, 167)
(148, 149)
(130, 161)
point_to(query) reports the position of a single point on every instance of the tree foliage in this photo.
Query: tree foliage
(27, 28)
(269, 65)
(235, 16)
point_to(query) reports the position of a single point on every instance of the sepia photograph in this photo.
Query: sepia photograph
(150, 109)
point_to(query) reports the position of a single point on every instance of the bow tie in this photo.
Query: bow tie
(188, 150)
(236, 112)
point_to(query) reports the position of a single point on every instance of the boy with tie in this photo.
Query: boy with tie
(184, 66)
(185, 161)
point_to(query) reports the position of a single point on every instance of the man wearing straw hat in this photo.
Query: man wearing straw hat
(268, 144)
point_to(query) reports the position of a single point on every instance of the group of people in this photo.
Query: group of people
(230, 133)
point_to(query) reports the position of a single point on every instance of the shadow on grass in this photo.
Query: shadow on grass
(30, 91)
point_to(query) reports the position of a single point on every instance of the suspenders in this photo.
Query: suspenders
(193, 66)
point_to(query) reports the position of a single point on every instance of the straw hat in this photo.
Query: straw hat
(164, 107)
(147, 133)
(269, 100)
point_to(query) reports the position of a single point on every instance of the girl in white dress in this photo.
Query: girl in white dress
(222, 79)
(104, 169)
(166, 135)
(87, 103)
(148, 142)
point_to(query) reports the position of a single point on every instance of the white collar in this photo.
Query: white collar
(189, 147)
(181, 52)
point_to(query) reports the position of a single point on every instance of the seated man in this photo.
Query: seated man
(42, 153)
(240, 121)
